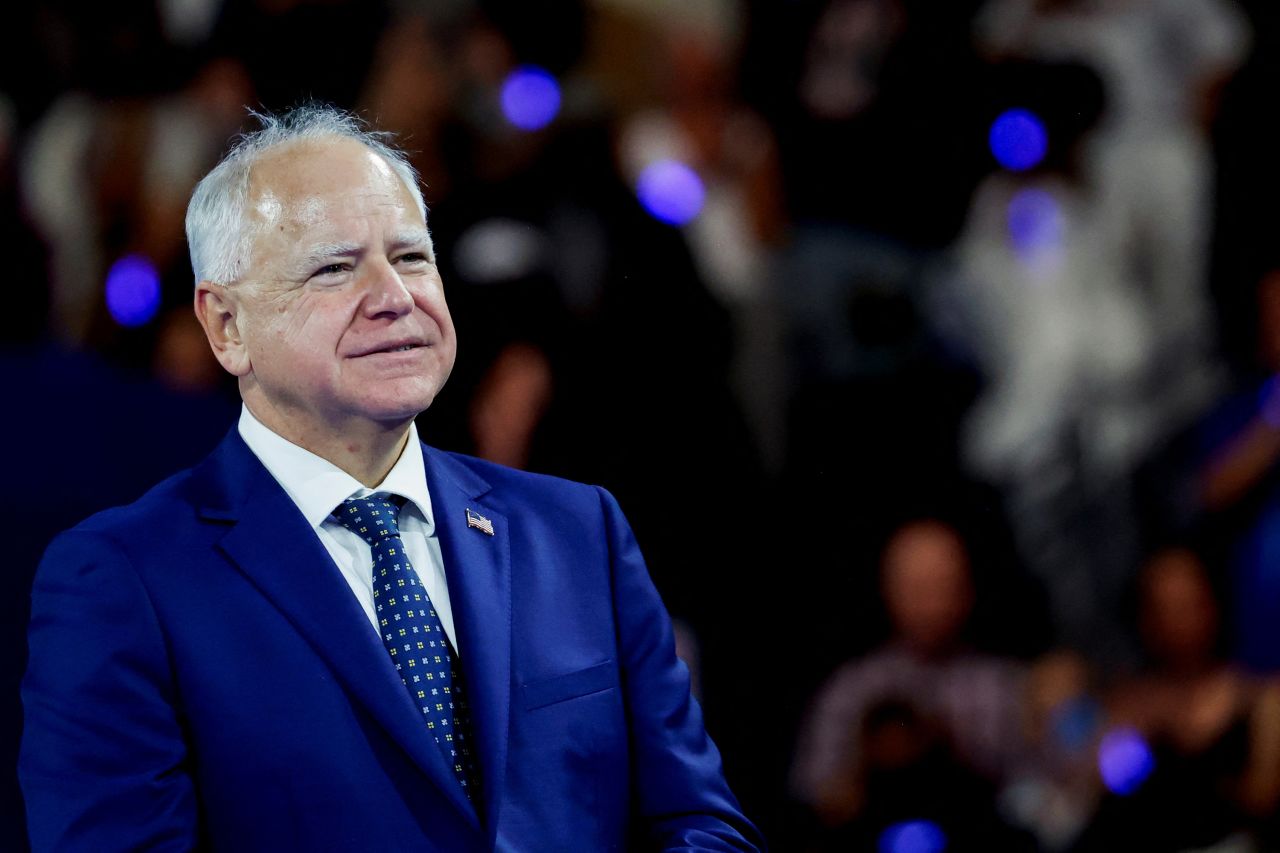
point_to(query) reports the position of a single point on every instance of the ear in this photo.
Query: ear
(218, 312)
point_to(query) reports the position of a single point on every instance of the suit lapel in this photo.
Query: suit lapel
(272, 544)
(478, 567)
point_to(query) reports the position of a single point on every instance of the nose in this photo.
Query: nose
(386, 292)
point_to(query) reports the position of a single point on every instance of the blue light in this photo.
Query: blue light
(530, 97)
(1124, 760)
(1018, 139)
(913, 836)
(133, 290)
(671, 191)
(1035, 222)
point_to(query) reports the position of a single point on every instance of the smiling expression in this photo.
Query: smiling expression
(341, 315)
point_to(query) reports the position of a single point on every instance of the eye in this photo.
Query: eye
(329, 270)
(414, 258)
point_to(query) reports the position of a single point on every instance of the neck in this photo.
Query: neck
(365, 450)
(1191, 668)
(368, 461)
(929, 652)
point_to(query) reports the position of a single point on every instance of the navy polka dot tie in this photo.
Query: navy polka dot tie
(412, 633)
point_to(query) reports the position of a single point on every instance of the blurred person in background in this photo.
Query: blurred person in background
(109, 164)
(914, 783)
(1096, 277)
(1163, 64)
(971, 700)
(1068, 405)
(874, 107)
(1213, 732)
(872, 101)
(700, 121)
(1235, 492)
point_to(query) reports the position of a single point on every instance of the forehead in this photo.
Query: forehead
(921, 541)
(313, 182)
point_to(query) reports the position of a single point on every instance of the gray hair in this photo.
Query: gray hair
(218, 235)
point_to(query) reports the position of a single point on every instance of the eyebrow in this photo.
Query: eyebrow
(414, 237)
(318, 254)
(322, 252)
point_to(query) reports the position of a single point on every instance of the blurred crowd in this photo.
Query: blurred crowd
(974, 305)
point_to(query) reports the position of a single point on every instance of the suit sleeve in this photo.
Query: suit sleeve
(103, 761)
(682, 801)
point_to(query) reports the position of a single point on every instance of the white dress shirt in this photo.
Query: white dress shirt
(317, 487)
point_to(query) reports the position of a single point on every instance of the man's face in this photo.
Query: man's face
(927, 586)
(1179, 610)
(341, 312)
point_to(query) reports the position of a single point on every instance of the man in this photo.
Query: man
(927, 588)
(328, 636)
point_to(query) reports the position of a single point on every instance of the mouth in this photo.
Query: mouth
(393, 347)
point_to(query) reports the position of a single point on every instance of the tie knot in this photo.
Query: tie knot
(372, 519)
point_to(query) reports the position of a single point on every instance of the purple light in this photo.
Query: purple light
(1124, 760)
(1018, 139)
(133, 290)
(1035, 222)
(530, 97)
(671, 191)
(913, 836)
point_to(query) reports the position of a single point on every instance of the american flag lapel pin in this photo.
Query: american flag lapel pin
(479, 522)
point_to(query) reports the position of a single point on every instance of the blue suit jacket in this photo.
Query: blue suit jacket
(202, 677)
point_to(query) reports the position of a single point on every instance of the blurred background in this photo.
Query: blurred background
(931, 349)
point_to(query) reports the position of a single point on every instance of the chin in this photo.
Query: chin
(399, 408)
(393, 416)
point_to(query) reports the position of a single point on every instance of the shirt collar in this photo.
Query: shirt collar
(317, 486)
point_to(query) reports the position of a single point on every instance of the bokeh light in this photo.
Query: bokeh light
(1036, 223)
(671, 191)
(1018, 139)
(530, 97)
(1124, 760)
(913, 836)
(133, 290)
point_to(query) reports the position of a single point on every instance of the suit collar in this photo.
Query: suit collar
(478, 568)
(268, 540)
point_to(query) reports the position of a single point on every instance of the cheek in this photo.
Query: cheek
(445, 323)
(310, 327)
(429, 298)
(311, 321)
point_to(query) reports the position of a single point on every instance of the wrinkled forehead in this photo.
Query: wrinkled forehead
(306, 182)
